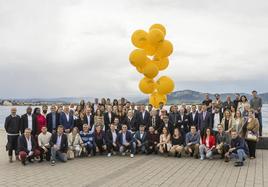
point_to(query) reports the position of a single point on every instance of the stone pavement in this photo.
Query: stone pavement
(150, 170)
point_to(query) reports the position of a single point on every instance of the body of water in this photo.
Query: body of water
(5, 111)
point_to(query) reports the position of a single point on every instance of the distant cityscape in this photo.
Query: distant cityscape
(177, 97)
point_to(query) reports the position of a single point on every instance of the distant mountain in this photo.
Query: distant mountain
(189, 96)
(177, 97)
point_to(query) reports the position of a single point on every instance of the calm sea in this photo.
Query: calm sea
(5, 110)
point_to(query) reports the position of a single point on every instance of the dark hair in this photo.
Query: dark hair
(166, 129)
(254, 91)
(35, 110)
(115, 102)
(60, 126)
(178, 131)
(205, 133)
(244, 97)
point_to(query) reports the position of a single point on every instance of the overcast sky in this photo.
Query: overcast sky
(79, 48)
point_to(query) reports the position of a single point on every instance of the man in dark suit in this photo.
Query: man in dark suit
(140, 140)
(89, 118)
(59, 145)
(27, 147)
(193, 116)
(53, 120)
(131, 121)
(154, 121)
(108, 117)
(205, 119)
(143, 116)
(183, 122)
(112, 140)
(28, 120)
(173, 116)
(125, 141)
(66, 119)
(135, 111)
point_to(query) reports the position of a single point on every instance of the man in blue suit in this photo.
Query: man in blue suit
(125, 141)
(66, 120)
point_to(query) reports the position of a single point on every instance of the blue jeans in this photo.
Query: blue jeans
(55, 153)
(240, 155)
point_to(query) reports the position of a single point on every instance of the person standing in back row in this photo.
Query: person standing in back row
(12, 127)
(256, 104)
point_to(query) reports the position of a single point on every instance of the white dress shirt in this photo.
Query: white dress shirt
(29, 144)
(30, 121)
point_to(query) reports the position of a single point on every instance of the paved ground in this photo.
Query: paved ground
(139, 171)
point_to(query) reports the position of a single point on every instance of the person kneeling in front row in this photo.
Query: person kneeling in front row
(112, 140)
(74, 144)
(153, 140)
(192, 142)
(125, 141)
(59, 146)
(89, 144)
(27, 147)
(164, 144)
(238, 150)
(177, 142)
(208, 144)
(140, 140)
(43, 142)
(222, 142)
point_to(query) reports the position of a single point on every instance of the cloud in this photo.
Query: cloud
(81, 48)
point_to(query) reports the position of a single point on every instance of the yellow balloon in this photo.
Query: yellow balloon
(158, 26)
(138, 57)
(147, 85)
(139, 38)
(165, 85)
(139, 69)
(165, 49)
(161, 63)
(155, 99)
(150, 49)
(156, 37)
(150, 70)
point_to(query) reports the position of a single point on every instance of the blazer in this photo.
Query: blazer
(22, 144)
(131, 124)
(64, 142)
(24, 123)
(193, 120)
(184, 124)
(109, 137)
(211, 141)
(173, 118)
(128, 137)
(85, 120)
(204, 122)
(213, 115)
(145, 120)
(50, 121)
(157, 124)
(107, 120)
(137, 136)
(66, 124)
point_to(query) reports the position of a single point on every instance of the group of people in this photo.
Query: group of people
(229, 129)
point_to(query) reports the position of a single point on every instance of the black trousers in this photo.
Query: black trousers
(252, 148)
(151, 148)
(99, 144)
(43, 154)
(111, 147)
(12, 144)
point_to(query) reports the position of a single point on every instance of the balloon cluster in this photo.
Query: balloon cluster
(150, 58)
